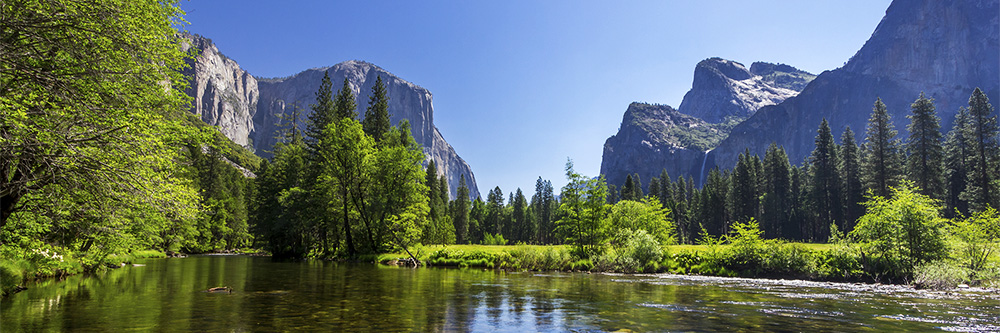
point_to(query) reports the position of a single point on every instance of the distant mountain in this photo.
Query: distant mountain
(248, 110)
(652, 138)
(942, 48)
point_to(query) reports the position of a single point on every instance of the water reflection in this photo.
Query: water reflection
(167, 295)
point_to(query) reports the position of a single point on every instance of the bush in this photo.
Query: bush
(838, 263)
(491, 239)
(898, 234)
(938, 275)
(632, 251)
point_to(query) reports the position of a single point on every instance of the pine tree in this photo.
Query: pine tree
(826, 193)
(744, 189)
(494, 212)
(777, 189)
(522, 229)
(957, 158)
(713, 203)
(376, 122)
(654, 187)
(681, 208)
(881, 159)
(460, 212)
(984, 169)
(850, 170)
(637, 193)
(324, 111)
(666, 189)
(344, 102)
(613, 194)
(925, 159)
(628, 189)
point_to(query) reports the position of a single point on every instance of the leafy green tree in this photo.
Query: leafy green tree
(978, 234)
(647, 215)
(881, 158)
(899, 233)
(777, 189)
(613, 194)
(584, 208)
(925, 161)
(460, 212)
(826, 194)
(87, 126)
(376, 122)
(850, 170)
(958, 154)
(280, 201)
(984, 167)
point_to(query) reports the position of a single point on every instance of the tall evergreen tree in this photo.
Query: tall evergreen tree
(654, 187)
(881, 158)
(799, 209)
(826, 193)
(376, 122)
(984, 169)
(743, 189)
(543, 206)
(522, 229)
(680, 208)
(613, 194)
(637, 192)
(925, 161)
(323, 112)
(344, 103)
(628, 189)
(957, 158)
(777, 190)
(494, 212)
(713, 204)
(666, 189)
(850, 170)
(460, 212)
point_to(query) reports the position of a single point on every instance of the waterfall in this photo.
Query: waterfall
(703, 160)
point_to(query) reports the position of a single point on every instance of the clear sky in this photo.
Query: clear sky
(519, 86)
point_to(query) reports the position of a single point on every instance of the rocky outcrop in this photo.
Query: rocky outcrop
(724, 88)
(653, 138)
(225, 96)
(942, 48)
(656, 137)
(406, 101)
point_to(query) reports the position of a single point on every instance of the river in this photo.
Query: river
(169, 295)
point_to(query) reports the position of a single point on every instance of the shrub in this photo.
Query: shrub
(494, 239)
(941, 274)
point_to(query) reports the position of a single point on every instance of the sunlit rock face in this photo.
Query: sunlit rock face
(942, 48)
(724, 88)
(225, 95)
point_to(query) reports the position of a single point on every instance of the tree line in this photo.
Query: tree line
(960, 170)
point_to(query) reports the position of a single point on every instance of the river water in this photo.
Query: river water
(169, 295)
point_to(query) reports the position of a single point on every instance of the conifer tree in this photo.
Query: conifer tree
(984, 167)
(613, 194)
(494, 212)
(777, 190)
(323, 112)
(666, 189)
(881, 158)
(713, 203)
(956, 163)
(850, 170)
(744, 189)
(637, 192)
(376, 122)
(654, 187)
(628, 189)
(826, 193)
(681, 208)
(460, 212)
(344, 103)
(925, 159)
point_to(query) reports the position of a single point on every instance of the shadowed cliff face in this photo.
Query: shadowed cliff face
(942, 48)
(248, 111)
(224, 94)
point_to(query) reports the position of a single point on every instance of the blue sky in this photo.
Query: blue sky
(520, 86)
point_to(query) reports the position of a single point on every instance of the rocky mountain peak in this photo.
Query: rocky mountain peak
(224, 94)
(724, 88)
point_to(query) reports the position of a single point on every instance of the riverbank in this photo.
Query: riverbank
(776, 260)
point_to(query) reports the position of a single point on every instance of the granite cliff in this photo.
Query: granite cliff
(248, 110)
(225, 95)
(942, 48)
(652, 138)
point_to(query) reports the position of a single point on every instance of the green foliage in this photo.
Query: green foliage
(941, 274)
(376, 122)
(647, 215)
(493, 239)
(924, 163)
(583, 209)
(982, 132)
(632, 251)
(978, 235)
(881, 158)
(898, 234)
